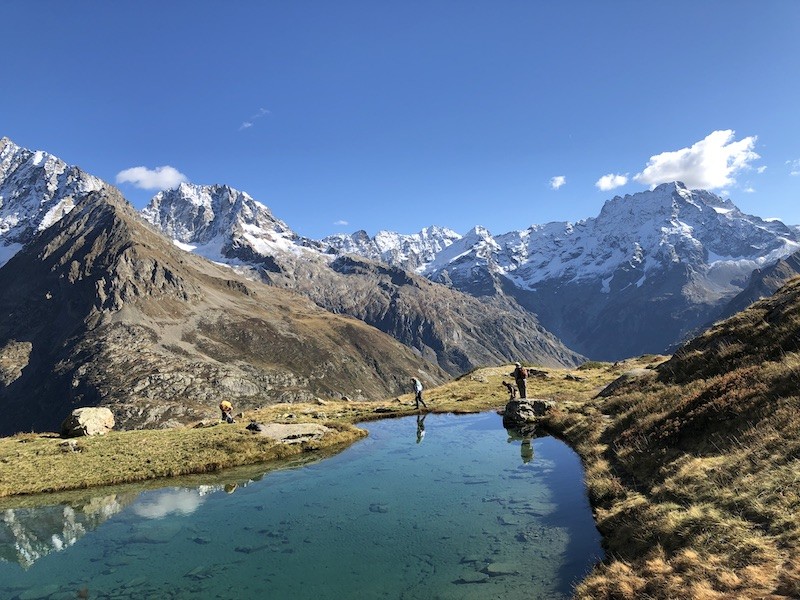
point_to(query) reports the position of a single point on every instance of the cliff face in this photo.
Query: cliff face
(103, 310)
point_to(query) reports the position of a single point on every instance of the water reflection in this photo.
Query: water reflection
(525, 435)
(28, 534)
(457, 517)
(421, 427)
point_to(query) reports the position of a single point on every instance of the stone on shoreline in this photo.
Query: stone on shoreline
(87, 421)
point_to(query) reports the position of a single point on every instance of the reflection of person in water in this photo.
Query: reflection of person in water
(526, 434)
(421, 427)
(526, 450)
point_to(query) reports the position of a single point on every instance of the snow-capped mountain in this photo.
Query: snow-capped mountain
(445, 325)
(36, 190)
(221, 223)
(411, 252)
(649, 268)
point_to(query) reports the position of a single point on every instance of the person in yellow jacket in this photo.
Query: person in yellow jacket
(226, 408)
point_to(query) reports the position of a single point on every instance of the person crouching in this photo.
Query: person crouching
(226, 408)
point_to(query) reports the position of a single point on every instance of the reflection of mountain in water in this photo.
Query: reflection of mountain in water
(28, 534)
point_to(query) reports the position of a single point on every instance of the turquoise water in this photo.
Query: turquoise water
(456, 510)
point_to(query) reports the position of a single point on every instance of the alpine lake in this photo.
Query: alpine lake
(433, 506)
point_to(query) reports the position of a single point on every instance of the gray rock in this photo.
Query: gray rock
(39, 593)
(497, 569)
(87, 421)
(521, 412)
(290, 433)
(13, 358)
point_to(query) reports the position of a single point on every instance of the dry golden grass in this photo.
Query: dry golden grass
(31, 463)
(695, 481)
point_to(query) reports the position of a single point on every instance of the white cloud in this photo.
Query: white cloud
(794, 165)
(160, 178)
(761, 169)
(611, 181)
(557, 181)
(341, 222)
(749, 190)
(708, 164)
(181, 502)
(251, 121)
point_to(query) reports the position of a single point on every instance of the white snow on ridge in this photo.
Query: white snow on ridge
(36, 190)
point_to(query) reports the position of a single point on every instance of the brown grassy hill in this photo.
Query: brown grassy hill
(102, 310)
(694, 471)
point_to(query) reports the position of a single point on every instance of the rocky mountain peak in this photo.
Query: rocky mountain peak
(36, 190)
(102, 309)
(199, 213)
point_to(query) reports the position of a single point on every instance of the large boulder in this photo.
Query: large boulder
(87, 421)
(521, 412)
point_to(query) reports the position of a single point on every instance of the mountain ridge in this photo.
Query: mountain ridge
(651, 268)
(444, 325)
(104, 310)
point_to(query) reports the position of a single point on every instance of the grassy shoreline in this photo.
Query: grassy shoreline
(688, 507)
(34, 463)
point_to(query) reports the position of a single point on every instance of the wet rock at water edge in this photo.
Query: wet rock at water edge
(523, 412)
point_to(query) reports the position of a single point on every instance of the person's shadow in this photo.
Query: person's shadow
(421, 427)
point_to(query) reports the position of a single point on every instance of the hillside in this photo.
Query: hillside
(693, 468)
(763, 283)
(102, 310)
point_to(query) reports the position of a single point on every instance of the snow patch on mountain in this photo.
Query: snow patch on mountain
(645, 232)
(223, 224)
(412, 252)
(36, 190)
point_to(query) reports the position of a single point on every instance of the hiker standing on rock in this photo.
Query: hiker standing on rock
(418, 393)
(520, 375)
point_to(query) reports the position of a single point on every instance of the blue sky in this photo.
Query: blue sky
(342, 115)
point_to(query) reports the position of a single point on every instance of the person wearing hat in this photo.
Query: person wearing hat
(520, 375)
(418, 393)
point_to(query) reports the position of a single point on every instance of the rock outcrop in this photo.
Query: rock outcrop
(96, 420)
(521, 413)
